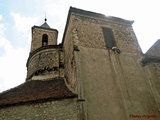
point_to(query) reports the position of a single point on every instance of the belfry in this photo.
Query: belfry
(98, 72)
(44, 61)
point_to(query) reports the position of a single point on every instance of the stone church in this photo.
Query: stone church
(98, 72)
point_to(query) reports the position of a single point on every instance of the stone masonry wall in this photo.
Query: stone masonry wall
(37, 34)
(46, 62)
(111, 85)
(69, 58)
(88, 32)
(55, 110)
(152, 71)
(156, 67)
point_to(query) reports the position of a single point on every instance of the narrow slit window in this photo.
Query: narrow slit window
(109, 38)
(44, 40)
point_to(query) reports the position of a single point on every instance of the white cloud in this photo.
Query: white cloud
(1, 17)
(12, 70)
(4, 43)
(2, 28)
(22, 23)
(13, 60)
(12, 67)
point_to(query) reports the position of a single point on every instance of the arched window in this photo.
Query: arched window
(44, 40)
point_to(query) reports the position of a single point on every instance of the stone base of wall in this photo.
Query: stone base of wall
(65, 109)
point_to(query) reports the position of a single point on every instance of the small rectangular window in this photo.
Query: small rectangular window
(109, 38)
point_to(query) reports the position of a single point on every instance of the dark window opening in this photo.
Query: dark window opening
(109, 38)
(44, 40)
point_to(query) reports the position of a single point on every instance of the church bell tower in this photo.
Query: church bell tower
(45, 55)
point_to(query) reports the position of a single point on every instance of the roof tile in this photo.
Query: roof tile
(36, 90)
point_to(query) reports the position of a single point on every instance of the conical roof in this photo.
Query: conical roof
(45, 25)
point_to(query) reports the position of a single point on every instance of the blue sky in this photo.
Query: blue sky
(18, 16)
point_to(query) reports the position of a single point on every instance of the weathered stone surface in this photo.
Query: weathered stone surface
(118, 87)
(37, 33)
(65, 109)
(43, 62)
(46, 62)
(114, 85)
(88, 32)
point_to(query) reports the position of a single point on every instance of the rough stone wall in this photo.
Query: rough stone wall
(69, 58)
(47, 63)
(37, 34)
(110, 85)
(88, 32)
(55, 110)
(152, 71)
(156, 67)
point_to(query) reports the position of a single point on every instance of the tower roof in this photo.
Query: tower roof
(45, 25)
